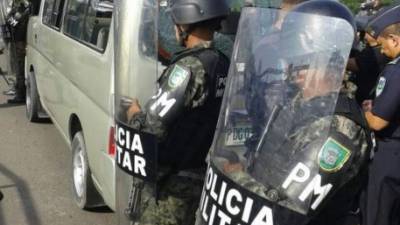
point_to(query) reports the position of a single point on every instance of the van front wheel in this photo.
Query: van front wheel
(32, 99)
(85, 194)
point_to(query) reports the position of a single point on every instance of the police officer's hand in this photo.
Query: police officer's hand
(17, 16)
(133, 109)
(367, 105)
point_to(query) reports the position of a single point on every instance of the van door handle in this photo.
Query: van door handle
(35, 38)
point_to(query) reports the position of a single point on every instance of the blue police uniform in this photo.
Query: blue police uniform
(383, 191)
(370, 62)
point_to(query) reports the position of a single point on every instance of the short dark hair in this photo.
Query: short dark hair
(213, 24)
(391, 29)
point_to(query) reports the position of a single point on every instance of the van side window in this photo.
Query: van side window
(52, 13)
(74, 17)
(86, 24)
(96, 27)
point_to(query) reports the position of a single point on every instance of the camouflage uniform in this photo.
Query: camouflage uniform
(176, 202)
(174, 199)
(195, 95)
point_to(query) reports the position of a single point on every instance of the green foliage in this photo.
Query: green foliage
(236, 5)
(354, 5)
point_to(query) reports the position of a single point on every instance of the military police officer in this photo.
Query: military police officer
(383, 116)
(296, 129)
(18, 21)
(348, 127)
(185, 128)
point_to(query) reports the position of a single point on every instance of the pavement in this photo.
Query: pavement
(35, 173)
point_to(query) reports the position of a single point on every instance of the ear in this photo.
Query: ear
(395, 39)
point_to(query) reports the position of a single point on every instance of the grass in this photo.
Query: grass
(352, 4)
(355, 4)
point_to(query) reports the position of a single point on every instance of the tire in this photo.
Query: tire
(32, 99)
(85, 194)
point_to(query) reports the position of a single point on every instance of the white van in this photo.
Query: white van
(68, 76)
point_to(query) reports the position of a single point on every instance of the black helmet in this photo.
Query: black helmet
(303, 24)
(194, 11)
(310, 35)
(327, 8)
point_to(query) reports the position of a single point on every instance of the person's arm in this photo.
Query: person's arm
(375, 122)
(387, 104)
(181, 88)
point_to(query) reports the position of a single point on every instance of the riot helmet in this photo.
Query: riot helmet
(196, 13)
(308, 33)
(326, 8)
(307, 43)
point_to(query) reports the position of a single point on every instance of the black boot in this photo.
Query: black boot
(20, 94)
(18, 99)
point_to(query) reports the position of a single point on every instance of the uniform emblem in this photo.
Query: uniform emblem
(333, 156)
(381, 86)
(240, 67)
(178, 75)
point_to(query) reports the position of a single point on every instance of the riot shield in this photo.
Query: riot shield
(271, 147)
(135, 79)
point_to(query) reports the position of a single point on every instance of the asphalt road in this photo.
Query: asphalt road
(35, 174)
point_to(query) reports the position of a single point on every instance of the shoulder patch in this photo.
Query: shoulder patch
(333, 156)
(380, 86)
(177, 76)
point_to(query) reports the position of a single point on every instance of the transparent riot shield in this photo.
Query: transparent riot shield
(271, 154)
(136, 73)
